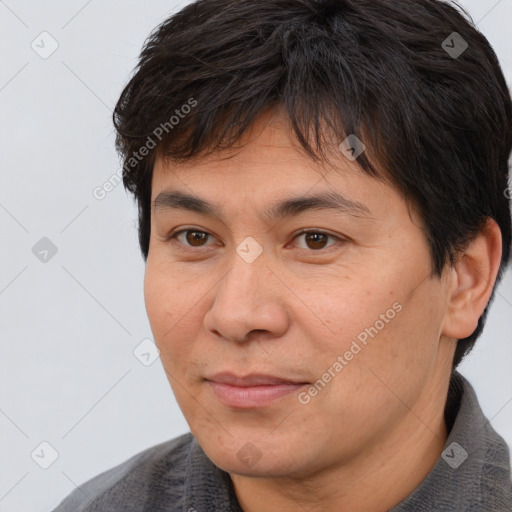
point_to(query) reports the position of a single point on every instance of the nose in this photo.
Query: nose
(249, 300)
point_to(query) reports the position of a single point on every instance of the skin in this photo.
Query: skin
(373, 433)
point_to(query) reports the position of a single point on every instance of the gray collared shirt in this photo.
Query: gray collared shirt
(472, 474)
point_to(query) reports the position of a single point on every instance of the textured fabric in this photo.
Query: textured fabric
(472, 475)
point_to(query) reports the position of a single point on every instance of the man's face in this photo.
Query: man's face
(349, 314)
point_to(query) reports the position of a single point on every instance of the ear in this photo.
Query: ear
(471, 281)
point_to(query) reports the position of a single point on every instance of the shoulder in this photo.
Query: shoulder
(135, 483)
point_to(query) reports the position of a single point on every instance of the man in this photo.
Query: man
(323, 213)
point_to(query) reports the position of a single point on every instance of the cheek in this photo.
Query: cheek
(341, 312)
(168, 298)
(384, 330)
(166, 310)
(399, 350)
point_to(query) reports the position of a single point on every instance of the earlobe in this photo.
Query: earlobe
(473, 279)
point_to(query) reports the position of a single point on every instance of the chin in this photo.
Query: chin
(273, 468)
(250, 459)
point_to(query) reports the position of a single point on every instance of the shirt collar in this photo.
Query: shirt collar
(473, 472)
(207, 487)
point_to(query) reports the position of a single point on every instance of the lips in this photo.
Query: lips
(252, 380)
(252, 391)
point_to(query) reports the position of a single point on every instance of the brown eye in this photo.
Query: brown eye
(315, 240)
(195, 238)
(191, 237)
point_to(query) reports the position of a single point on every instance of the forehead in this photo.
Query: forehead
(267, 166)
(269, 143)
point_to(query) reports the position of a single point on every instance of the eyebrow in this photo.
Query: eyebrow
(288, 207)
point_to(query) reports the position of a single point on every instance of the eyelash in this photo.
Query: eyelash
(175, 235)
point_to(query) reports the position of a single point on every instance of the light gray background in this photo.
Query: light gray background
(68, 327)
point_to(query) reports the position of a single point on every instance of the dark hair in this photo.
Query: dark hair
(438, 123)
